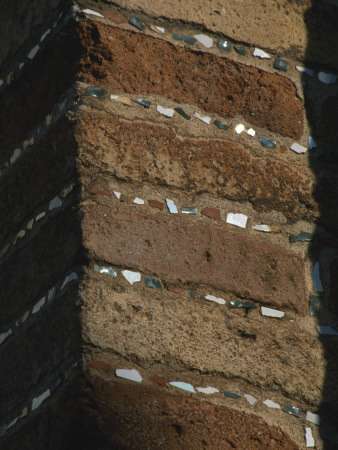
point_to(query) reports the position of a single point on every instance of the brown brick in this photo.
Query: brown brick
(102, 365)
(114, 16)
(214, 213)
(156, 204)
(98, 191)
(159, 380)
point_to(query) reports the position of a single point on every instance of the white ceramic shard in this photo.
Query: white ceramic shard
(39, 305)
(251, 132)
(160, 29)
(264, 228)
(21, 65)
(327, 78)
(313, 418)
(261, 54)
(40, 216)
(11, 424)
(36, 402)
(131, 277)
(204, 40)
(15, 156)
(114, 97)
(311, 143)
(237, 219)
(33, 52)
(30, 224)
(271, 312)
(317, 284)
(239, 128)
(207, 390)
(51, 294)
(69, 278)
(171, 206)
(67, 190)
(108, 270)
(309, 441)
(4, 336)
(212, 298)
(185, 386)
(271, 404)
(129, 374)
(55, 203)
(297, 148)
(252, 400)
(305, 70)
(20, 235)
(324, 329)
(205, 119)
(45, 34)
(92, 13)
(138, 201)
(117, 194)
(168, 112)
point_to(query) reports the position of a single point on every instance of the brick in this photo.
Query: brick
(102, 365)
(158, 380)
(98, 191)
(114, 16)
(213, 213)
(156, 204)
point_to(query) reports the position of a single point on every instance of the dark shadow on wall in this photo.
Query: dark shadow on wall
(321, 103)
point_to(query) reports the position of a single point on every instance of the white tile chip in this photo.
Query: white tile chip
(252, 400)
(33, 52)
(311, 143)
(181, 385)
(40, 216)
(171, 206)
(30, 224)
(251, 132)
(212, 298)
(237, 219)
(271, 312)
(36, 402)
(51, 294)
(117, 194)
(313, 418)
(204, 40)
(11, 424)
(261, 54)
(129, 374)
(39, 305)
(207, 390)
(4, 336)
(55, 203)
(69, 278)
(91, 12)
(160, 29)
(131, 277)
(239, 128)
(271, 404)
(324, 329)
(138, 201)
(205, 119)
(113, 97)
(20, 235)
(15, 156)
(264, 228)
(305, 70)
(317, 284)
(297, 148)
(168, 112)
(309, 441)
(45, 34)
(327, 78)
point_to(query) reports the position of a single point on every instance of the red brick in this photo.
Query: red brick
(102, 365)
(156, 204)
(179, 290)
(114, 16)
(214, 213)
(159, 380)
(98, 191)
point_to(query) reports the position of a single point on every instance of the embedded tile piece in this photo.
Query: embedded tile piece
(160, 29)
(183, 113)
(51, 294)
(297, 148)
(57, 383)
(292, 410)
(123, 100)
(185, 292)
(20, 67)
(129, 374)
(114, 16)
(153, 283)
(239, 304)
(327, 78)
(171, 206)
(182, 37)
(131, 277)
(92, 13)
(224, 45)
(313, 418)
(138, 201)
(317, 284)
(15, 156)
(314, 305)
(205, 119)
(264, 228)
(156, 204)
(261, 54)
(95, 92)
(237, 219)
(213, 213)
(240, 50)
(207, 390)
(252, 400)
(189, 210)
(281, 64)
(103, 269)
(4, 336)
(20, 235)
(158, 380)
(305, 70)
(221, 125)
(69, 278)
(45, 34)
(231, 395)
(67, 190)
(181, 385)
(55, 203)
(311, 143)
(36, 402)
(40, 216)
(113, 97)
(271, 312)
(251, 132)
(271, 404)
(39, 305)
(117, 194)
(204, 40)
(33, 52)
(302, 237)
(212, 298)
(10, 78)
(267, 143)
(326, 330)
(239, 128)
(22, 319)
(309, 441)
(168, 112)
(24, 412)
(12, 423)
(4, 250)
(136, 22)
(102, 365)
(142, 102)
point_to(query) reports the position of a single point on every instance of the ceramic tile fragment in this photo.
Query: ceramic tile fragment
(267, 143)
(39, 305)
(271, 404)
(327, 78)
(239, 128)
(114, 16)
(292, 410)
(309, 441)
(281, 64)
(117, 194)
(311, 143)
(313, 418)
(33, 52)
(264, 228)
(213, 213)
(55, 203)
(183, 113)
(138, 201)
(221, 125)
(57, 383)
(95, 92)
(19, 235)
(181, 385)
(107, 270)
(183, 37)
(314, 305)
(123, 100)
(24, 412)
(168, 112)
(28, 142)
(92, 13)
(113, 97)
(69, 278)
(302, 237)
(102, 365)
(317, 284)
(137, 23)
(237, 219)
(231, 395)
(171, 206)
(326, 330)
(178, 290)
(12, 423)
(4, 249)
(239, 304)
(48, 119)
(305, 70)
(156, 204)
(297, 148)
(4, 336)
(224, 45)
(204, 40)
(158, 380)
(67, 190)
(205, 119)
(160, 29)
(153, 283)
(45, 34)
(22, 319)
(142, 102)
(51, 294)
(132, 374)
(189, 210)
(261, 54)
(131, 277)
(212, 298)
(40, 216)
(208, 390)
(252, 400)
(240, 50)
(251, 132)
(36, 402)
(271, 312)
